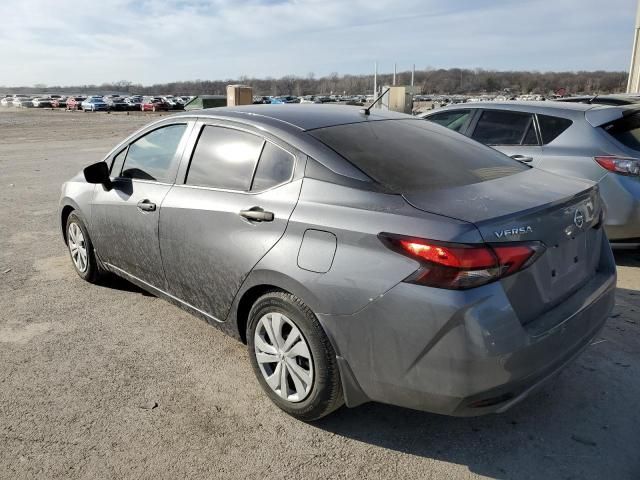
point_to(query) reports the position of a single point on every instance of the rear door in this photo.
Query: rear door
(513, 133)
(232, 203)
(125, 218)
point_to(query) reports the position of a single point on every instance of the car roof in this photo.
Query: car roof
(520, 104)
(596, 115)
(301, 116)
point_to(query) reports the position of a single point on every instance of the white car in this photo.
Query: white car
(41, 102)
(22, 101)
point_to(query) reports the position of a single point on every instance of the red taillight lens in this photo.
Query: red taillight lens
(457, 257)
(455, 266)
(513, 257)
(620, 165)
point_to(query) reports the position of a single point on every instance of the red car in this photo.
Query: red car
(153, 104)
(73, 103)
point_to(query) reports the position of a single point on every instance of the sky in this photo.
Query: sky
(76, 42)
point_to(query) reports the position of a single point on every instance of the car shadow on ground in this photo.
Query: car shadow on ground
(627, 258)
(118, 283)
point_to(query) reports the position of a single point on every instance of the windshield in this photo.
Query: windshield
(414, 155)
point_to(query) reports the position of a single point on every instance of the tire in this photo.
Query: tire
(92, 271)
(323, 394)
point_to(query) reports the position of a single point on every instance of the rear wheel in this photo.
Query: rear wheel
(81, 249)
(292, 357)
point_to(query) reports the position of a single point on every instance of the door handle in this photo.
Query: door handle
(257, 214)
(146, 205)
(522, 158)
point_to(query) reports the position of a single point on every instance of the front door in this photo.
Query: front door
(125, 218)
(234, 205)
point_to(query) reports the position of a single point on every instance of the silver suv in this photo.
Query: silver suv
(593, 142)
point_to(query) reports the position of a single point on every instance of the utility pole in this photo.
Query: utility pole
(413, 72)
(395, 68)
(375, 80)
(633, 85)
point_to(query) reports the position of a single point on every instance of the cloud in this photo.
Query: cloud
(151, 41)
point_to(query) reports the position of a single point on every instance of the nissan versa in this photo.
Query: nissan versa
(361, 255)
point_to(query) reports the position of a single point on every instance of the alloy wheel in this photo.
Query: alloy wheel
(77, 247)
(284, 357)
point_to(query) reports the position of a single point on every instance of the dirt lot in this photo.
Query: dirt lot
(109, 382)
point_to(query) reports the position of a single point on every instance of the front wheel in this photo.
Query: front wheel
(292, 357)
(81, 249)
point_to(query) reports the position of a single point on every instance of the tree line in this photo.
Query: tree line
(427, 81)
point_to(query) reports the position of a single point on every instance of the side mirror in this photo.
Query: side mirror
(98, 173)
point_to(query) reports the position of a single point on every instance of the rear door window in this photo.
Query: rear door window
(224, 158)
(413, 155)
(500, 127)
(152, 157)
(626, 130)
(552, 127)
(455, 120)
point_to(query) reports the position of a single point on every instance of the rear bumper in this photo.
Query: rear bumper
(621, 196)
(462, 352)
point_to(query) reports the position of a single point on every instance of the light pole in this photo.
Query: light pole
(633, 85)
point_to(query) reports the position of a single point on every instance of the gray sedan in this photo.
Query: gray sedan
(593, 142)
(361, 256)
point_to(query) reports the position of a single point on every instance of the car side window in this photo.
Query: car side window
(452, 119)
(499, 127)
(275, 167)
(224, 158)
(116, 164)
(151, 157)
(551, 127)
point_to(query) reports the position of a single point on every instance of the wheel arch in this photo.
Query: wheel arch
(65, 210)
(257, 284)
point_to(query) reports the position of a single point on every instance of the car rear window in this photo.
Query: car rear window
(626, 130)
(413, 155)
(551, 127)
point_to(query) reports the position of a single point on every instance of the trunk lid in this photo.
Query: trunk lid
(562, 213)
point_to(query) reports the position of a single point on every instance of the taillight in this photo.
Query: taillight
(462, 266)
(620, 165)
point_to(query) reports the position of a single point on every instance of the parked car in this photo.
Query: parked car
(133, 103)
(174, 103)
(594, 142)
(602, 99)
(364, 257)
(75, 103)
(6, 101)
(116, 103)
(20, 101)
(154, 104)
(59, 102)
(41, 102)
(94, 104)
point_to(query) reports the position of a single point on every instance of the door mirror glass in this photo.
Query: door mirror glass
(98, 173)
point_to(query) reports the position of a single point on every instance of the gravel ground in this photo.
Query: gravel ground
(110, 382)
